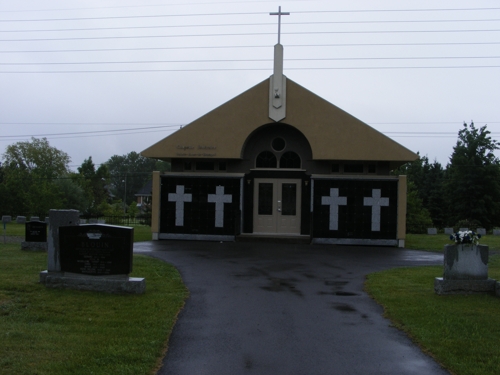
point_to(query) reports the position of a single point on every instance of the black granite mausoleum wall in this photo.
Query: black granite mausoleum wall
(199, 196)
(354, 217)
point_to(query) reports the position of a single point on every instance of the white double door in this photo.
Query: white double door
(277, 205)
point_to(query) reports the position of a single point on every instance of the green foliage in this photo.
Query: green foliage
(56, 332)
(473, 178)
(129, 173)
(94, 183)
(133, 211)
(418, 218)
(38, 158)
(427, 180)
(29, 174)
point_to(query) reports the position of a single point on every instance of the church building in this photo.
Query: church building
(278, 160)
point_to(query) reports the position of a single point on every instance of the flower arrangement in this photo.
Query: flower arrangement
(465, 237)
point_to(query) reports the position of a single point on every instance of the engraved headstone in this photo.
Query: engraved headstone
(21, 219)
(35, 236)
(481, 231)
(35, 218)
(36, 231)
(432, 231)
(496, 232)
(96, 249)
(448, 230)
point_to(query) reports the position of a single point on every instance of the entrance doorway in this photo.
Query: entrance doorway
(277, 205)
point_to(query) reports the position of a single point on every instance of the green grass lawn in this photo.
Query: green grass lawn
(459, 331)
(437, 242)
(141, 232)
(51, 331)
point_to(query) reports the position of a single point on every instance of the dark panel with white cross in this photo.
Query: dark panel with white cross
(358, 209)
(200, 205)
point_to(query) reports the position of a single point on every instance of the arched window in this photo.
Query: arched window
(290, 160)
(266, 159)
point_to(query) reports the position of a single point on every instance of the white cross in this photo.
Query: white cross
(279, 14)
(334, 201)
(219, 199)
(376, 202)
(179, 198)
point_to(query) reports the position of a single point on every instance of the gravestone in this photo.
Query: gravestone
(92, 221)
(35, 236)
(96, 257)
(21, 219)
(496, 232)
(463, 229)
(481, 231)
(95, 249)
(448, 230)
(47, 220)
(35, 218)
(83, 221)
(465, 270)
(432, 231)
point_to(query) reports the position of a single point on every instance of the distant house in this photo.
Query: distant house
(143, 196)
(278, 160)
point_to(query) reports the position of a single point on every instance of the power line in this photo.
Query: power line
(88, 132)
(244, 34)
(248, 24)
(250, 13)
(256, 46)
(248, 69)
(250, 60)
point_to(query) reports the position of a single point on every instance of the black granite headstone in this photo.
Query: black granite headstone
(36, 231)
(96, 249)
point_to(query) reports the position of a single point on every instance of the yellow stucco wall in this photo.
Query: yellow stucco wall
(332, 133)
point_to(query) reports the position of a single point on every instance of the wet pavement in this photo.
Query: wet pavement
(269, 308)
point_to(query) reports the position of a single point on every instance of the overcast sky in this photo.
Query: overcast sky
(101, 78)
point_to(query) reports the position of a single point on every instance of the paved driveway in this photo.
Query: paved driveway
(265, 308)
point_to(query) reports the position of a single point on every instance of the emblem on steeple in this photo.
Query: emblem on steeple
(277, 84)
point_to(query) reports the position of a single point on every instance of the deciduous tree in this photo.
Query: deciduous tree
(473, 178)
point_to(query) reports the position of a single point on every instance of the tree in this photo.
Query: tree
(29, 172)
(37, 158)
(473, 178)
(94, 183)
(129, 173)
(427, 183)
(418, 218)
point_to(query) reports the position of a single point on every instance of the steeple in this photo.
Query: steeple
(277, 84)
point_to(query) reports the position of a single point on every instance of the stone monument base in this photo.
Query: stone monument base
(443, 286)
(121, 284)
(34, 246)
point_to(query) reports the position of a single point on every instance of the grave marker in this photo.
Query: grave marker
(96, 249)
(35, 236)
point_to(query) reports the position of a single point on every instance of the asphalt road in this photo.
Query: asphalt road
(267, 308)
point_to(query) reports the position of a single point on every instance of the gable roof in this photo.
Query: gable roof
(332, 133)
